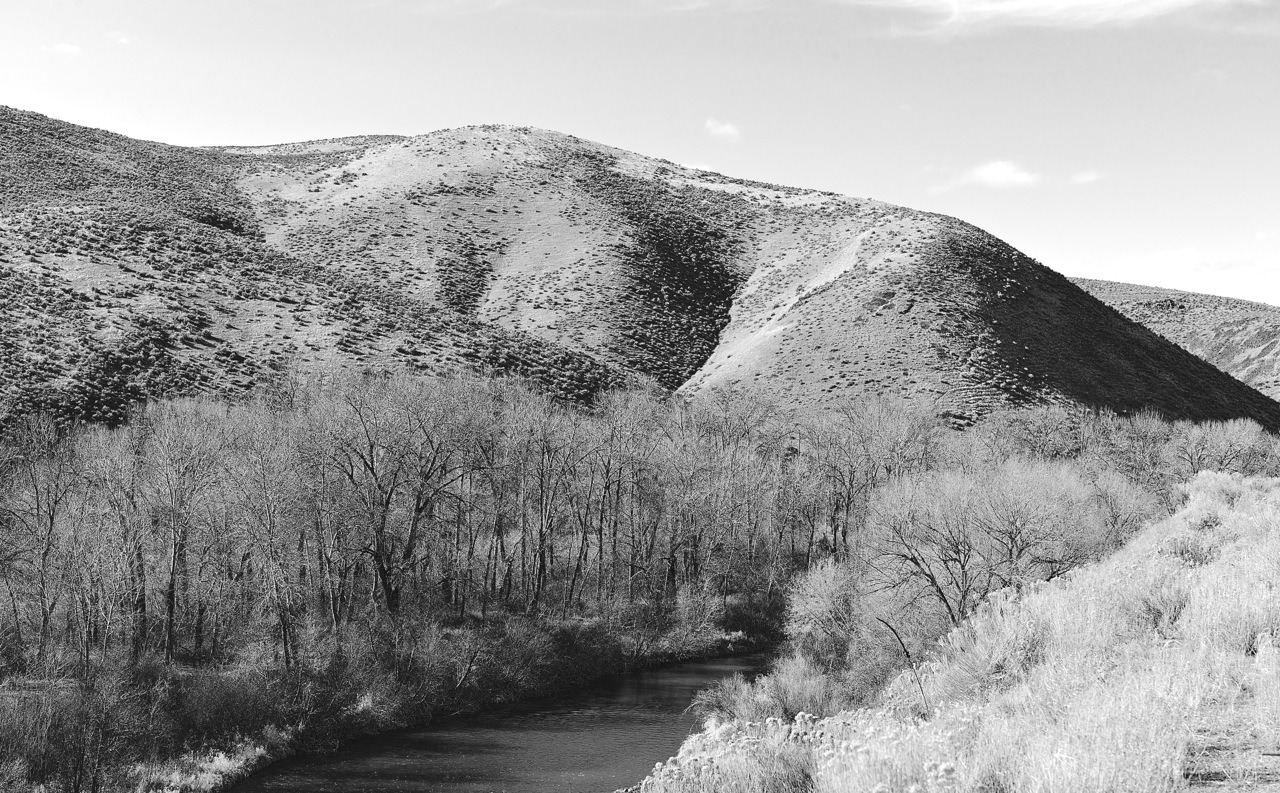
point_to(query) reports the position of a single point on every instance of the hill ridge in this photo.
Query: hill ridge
(137, 269)
(1240, 337)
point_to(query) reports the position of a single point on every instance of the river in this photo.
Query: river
(604, 737)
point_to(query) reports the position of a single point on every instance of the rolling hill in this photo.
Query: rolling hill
(1240, 337)
(131, 269)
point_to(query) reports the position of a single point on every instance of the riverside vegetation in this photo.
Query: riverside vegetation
(210, 584)
(1155, 670)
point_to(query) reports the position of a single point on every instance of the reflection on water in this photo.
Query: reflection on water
(605, 737)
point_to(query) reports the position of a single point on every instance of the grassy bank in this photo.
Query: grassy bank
(129, 729)
(1153, 670)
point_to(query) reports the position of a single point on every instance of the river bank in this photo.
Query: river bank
(586, 658)
(1155, 669)
(594, 738)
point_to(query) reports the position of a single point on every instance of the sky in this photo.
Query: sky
(1129, 140)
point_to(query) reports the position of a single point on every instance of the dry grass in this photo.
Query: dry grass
(204, 772)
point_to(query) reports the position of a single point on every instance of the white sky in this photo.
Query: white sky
(1134, 140)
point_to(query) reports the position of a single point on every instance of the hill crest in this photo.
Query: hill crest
(159, 269)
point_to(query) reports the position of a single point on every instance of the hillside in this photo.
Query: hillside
(1240, 337)
(1152, 670)
(133, 269)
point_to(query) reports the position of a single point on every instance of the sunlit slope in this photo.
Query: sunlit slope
(1240, 337)
(700, 280)
(147, 269)
(916, 303)
(530, 231)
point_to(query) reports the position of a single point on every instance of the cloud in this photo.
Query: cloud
(725, 131)
(117, 37)
(997, 173)
(1085, 177)
(1001, 173)
(64, 49)
(960, 14)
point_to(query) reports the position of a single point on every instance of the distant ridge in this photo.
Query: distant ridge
(1240, 337)
(131, 269)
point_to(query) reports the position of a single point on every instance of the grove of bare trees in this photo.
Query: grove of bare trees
(362, 553)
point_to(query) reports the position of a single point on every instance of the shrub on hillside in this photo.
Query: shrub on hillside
(954, 537)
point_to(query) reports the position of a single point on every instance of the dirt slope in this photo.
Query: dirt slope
(130, 269)
(1240, 337)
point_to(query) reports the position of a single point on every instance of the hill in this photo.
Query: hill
(132, 269)
(1240, 337)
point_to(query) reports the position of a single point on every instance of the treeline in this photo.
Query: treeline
(201, 528)
(1022, 498)
(368, 552)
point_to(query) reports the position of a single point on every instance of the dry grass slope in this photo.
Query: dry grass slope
(1155, 670)
(132, 270)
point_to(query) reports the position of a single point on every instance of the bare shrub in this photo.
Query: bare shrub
(796, 686)
(1162, 604)
(825, 612)
(731, 699)
(1193, 549)
(955, 537)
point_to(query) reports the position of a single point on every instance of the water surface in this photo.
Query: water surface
(604, 737)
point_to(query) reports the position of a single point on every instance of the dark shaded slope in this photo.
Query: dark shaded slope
(681, 270)
(898, 302)
(1045, 335)
(1240, 337)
